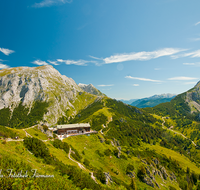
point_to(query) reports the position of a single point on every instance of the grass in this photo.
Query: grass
(34, 132)
(184, 161)
(89, 144)
(16, 150)
(20, 133)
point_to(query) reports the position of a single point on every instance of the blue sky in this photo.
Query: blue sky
(126, 48)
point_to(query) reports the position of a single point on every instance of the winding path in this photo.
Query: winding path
(179, 133)
(81, 166)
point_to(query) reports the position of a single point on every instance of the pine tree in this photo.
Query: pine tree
(133, 184)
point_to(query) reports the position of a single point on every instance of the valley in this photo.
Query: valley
(134, 148)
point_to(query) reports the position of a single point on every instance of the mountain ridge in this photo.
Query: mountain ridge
(90, 89)
(45, 84)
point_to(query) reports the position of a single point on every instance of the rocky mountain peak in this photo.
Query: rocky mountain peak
(90, 89)
(29, 84)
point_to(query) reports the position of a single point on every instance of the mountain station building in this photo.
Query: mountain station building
(73, 129)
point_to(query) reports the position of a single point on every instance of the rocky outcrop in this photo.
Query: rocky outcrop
(164, 173)
(156, 169)
(148, 181)
(172, 176)
(155, 160)
(101, 139)
(46, 84)
(49, 133)
(131, 174)
(90, 89)
(108, 178)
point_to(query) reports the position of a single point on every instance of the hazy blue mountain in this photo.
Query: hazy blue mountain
(153, 100)
(128, 101)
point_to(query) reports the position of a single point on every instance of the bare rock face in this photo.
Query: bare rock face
(29, 84)
(172, 176)
(148, 181)
(155, 161)
(164, 173)
(131, 174)
(108, 178)
(90, 89)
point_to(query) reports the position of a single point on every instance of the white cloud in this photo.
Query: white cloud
(142, 79)
(103, 85)
(195, 39)
(73, 62)
(79, 62)
(136, 85)
(48, 3)
(39, 62)
(53, 62)
(6, 51)
(193, 54)
(182, 78)
(3, 66)
(190, 54)
(142, 56)
(197, 64)
(188, 63)
(1, 60)
(197, 23)
(190, 83)
(95, 57)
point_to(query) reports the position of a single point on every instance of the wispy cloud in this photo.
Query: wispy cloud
(142, 56)
(186, 83)
(192, 54)
(79, 62)
(48, 3)
(197, 23)
(188, 63)
(136, 85)
(195, 39)
(3, 66)
(192, 64)
(39, 62)
(105, 85)
(142, 79)
(73, 62)
(1, 60)
(6, 51)
(53, 62)
(182, 78)
(95, 57)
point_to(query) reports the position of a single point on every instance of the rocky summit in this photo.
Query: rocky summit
(46, 84)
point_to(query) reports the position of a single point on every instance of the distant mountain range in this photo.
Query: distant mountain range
(150, 101)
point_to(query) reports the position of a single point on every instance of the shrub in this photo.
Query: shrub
(129, 168)
(107, 152)
(86, 162)
(141, 172)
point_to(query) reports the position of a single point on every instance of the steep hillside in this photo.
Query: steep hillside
(134, 128)
(183, 110)
(91, 162)
(24, 86)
